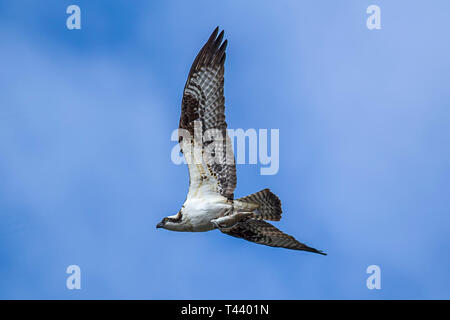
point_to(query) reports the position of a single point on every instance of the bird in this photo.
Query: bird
(210, 202)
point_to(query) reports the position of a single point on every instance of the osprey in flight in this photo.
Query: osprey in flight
(204, 142)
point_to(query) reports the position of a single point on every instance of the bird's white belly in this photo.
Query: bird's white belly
(200, 212)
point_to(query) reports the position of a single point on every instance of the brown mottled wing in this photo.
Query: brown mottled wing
(262, 232)
(204, 104)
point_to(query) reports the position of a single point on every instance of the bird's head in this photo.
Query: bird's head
(173, 223)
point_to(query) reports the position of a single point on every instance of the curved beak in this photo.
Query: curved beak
(159, 225)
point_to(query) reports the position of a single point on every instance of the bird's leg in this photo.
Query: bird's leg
(227, 222)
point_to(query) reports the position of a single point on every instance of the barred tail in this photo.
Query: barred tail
(264, 204)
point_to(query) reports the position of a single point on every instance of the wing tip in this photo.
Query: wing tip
(213, 52)
(313, 250)
(321, 252)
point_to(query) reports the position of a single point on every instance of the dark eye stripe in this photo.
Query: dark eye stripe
(177, 219)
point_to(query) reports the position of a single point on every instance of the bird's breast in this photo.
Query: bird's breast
(200, 212)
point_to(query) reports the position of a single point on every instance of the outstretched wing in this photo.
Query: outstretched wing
(262, 232)
(203, 113)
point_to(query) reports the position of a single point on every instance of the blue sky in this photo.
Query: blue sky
(85, 171)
